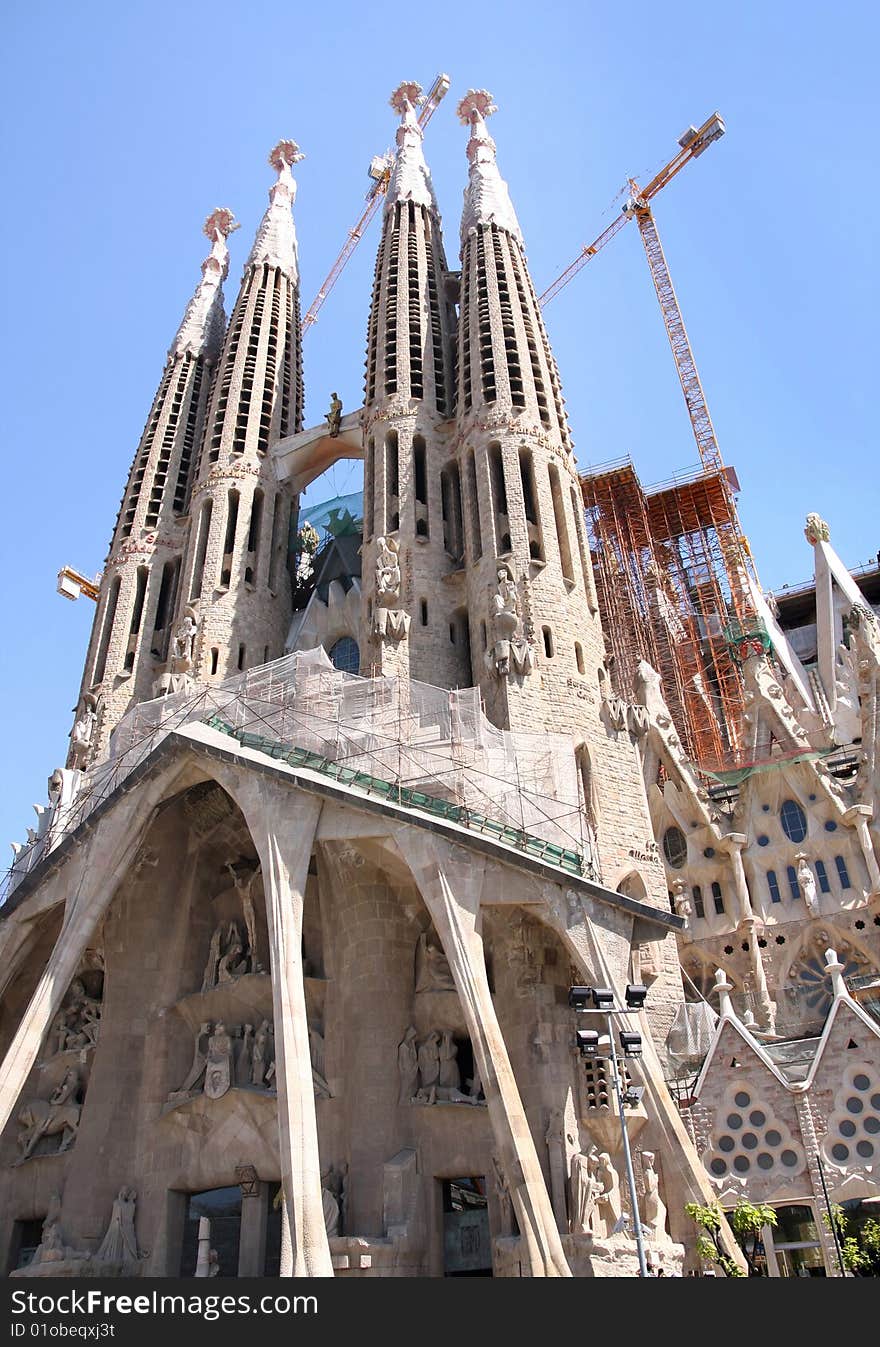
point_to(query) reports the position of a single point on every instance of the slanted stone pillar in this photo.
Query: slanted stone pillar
(282, 824)
(88, 880)
(252, 1238)
(733, 844)
(449, 879)
(857, 816)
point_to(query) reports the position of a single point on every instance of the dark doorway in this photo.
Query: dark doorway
(467, 1248)
(222, 1206)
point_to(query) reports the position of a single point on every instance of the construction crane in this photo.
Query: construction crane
(72, 583)
(380, 173)
(691, 145)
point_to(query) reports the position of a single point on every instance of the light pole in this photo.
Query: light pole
(588, 1041)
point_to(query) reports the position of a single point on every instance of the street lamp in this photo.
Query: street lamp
(601, 1001)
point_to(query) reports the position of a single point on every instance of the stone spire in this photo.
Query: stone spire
(275, 242)
(133, 620)
(204, 323)
(410, 537)
(486, 197)
(235, 586)
(410, 178)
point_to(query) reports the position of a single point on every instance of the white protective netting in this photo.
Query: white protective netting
(412, 734)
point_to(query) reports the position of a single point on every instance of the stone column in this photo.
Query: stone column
(857, 816)
(89, 878)
(449, 880)
(733, 844)
(282, 823)
(252, 1236)
(556, 1150)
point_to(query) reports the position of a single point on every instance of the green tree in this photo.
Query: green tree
(860, 1252)
(747, 1220)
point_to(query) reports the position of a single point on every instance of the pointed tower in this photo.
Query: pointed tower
(132, 627)
(535, 634)
(536, 639)
(412, 555)
(236, 586)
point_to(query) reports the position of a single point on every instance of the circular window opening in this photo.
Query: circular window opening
(757, 1118)
(345, 655)
(875, 1101)
(865, 1149)
(854, 1105)
(871, 1125)
(861, 1081)
(793, 820)
(734, 1121)
(789, 1159)
(675, 848)
(847, 1128)
(840, 1152)
(718, 1167)
(741, 1099)
(726, 1144)
(765, 1161)
(750, 1141)
(741, 1164)
(773, 1137)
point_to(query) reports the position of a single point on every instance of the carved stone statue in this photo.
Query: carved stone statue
(196, 1073)
(330, 1204)
(610, 1205)
(807, 881)
(232, 963)
(509, 646)
(83, 731)
(244, 1060)
(429, 1068)
(218, 1070)
(210, 978)
(408, 1067)
(450, 1076)
(433, 973)
(816, 530)
(57, 1116)
(183, 642)
(387, 571)
(586, 1187)
(263, 1054)
(119, 1245)
(653, 1207)
(243, 873)
(502, 1193)
(334, 416)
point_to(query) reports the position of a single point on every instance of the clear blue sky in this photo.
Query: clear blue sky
(126, 123)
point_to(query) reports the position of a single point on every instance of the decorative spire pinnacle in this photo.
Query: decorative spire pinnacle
(724, 987)
(204, 322)
(835, 969)
(486, 198)
(275, 241)
(410, 179)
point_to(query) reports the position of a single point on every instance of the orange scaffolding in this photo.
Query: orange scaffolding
(668, 563)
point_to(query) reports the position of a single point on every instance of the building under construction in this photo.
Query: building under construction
(669, 564)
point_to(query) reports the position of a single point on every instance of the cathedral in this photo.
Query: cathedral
(379, 931)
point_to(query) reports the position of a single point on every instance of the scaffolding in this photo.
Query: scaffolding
(669, 565)
(427, 750)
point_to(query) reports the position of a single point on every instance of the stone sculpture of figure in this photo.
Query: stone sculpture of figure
(262, 1054)
(408, 1067)
(210, 978)
(218, 1069)
(653, 1208)
(449, 1076)
(429, 1068)
(387, 569)
(433, 973)
(585, 1189)
(83, 1016)
(200, 1059)
(232, 963)
(807, 881)
(334, 416)
(84, 729)
(213, 1263)
(330, 1204)
(243, 872)
(610, 1206)
(183, 641)
(244, 1060)
(119, 1245)
(60, 1114)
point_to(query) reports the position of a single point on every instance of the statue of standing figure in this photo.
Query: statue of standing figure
(408, 1066)
(387, 570)
(807, 881)
(119, 1245)
(586, 1187)
(653, 1207)
(334, 416)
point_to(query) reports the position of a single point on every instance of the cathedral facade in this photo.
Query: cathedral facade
(287, 960)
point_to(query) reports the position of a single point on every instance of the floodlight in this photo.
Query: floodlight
(588, 1042)
(579, 997)
(635, 996)
(603, 998)
(631, 1043)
